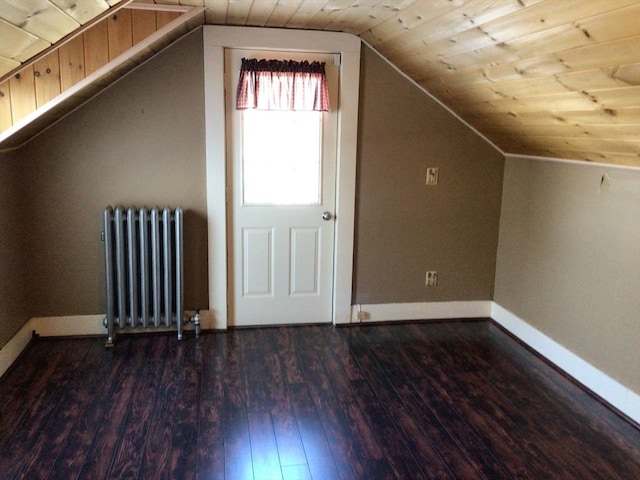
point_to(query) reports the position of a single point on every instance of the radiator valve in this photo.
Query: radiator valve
(196, 322)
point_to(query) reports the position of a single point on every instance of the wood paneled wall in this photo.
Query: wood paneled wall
(52, 74)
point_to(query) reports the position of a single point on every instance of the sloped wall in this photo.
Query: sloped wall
(569, 259)
(405, 228)
(140, 142)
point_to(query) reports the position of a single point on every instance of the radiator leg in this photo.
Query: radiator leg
(111, 341)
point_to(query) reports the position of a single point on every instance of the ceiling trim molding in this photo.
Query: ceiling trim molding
(520, 156)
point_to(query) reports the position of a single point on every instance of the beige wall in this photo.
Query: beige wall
(141, 142)
(569, 259)
(405, 228)
(14, 309)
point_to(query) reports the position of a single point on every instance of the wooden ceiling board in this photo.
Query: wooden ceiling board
(143, 24)
(96, 47)
(72, 68)
(544, 15)
(18, 44)
(277, 14)
(238, 11)
(535, 39)
(304, 13)
(628, 74)
(515, 89)
(368, 14)
(529, 50)
(7, 65)
(582, 81)
(573, 101)
(22, 90)
(590, 31)
(603, 131)
(592, 56)
(585, 144)
(40, 18)
(216, 12)
(47, 78)
(553, 116)
(331, 11)
(119, 33)
(408, 19)
(537, 77)
(82, 10)
(261, 12)
(164, 18)
(471, 15)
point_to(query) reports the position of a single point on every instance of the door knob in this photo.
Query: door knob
(327, 216)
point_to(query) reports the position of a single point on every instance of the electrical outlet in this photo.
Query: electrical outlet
(431, 278)
(363, 315)
(432, 176)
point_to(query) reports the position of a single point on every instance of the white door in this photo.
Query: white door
(281, 200)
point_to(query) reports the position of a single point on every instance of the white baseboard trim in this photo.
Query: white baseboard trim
(48, 327)
(388, 312)
(14, 347)
(610, 390)
(77, 325)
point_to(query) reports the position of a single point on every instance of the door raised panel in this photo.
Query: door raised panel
(305, 261)
(257, 256)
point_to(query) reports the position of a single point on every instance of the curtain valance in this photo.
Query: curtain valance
(282, 85)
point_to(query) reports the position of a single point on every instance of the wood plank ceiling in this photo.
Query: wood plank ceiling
(553, 78)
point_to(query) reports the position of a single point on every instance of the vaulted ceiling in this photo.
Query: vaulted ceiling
(552, 78)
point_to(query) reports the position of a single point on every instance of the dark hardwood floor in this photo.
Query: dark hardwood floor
(422, 400)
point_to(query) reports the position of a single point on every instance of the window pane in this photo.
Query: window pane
(281, 157)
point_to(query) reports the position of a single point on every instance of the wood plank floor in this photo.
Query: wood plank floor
(422, 400)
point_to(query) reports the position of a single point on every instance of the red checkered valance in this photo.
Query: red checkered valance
(282, 85)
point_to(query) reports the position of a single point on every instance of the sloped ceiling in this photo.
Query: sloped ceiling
(553, 78)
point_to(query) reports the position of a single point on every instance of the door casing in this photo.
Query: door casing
(216, 39)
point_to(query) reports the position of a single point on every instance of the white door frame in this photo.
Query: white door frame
(216, 39)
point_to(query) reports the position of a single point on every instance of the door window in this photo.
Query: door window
(281, 157)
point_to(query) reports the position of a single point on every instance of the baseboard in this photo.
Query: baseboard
(14, 347)
(619, 396)
(389, 312)
(76, 326)
(610, 390)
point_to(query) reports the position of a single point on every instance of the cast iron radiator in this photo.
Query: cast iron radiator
(143, 269)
